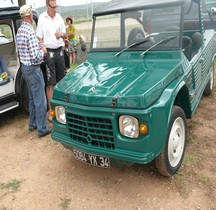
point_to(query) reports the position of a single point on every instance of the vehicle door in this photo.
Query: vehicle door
(202, 54)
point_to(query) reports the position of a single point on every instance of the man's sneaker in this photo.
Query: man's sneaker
(48, 131)
(67, 70)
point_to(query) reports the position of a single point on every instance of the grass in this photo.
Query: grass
(190, 172)
(65, 202)
(190, 159)
(190, 138)
(192, 124)
(22, 125)
(73, 66)
(9, 187)
(206, 181)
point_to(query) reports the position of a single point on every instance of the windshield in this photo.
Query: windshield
(118, 31)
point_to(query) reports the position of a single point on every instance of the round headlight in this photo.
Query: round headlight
(129, 126)
(60, 114)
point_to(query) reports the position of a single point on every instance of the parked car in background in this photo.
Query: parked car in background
(13, 91)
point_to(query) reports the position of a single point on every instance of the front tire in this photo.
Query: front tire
(170, 159)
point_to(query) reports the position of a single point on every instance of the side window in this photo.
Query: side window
(187, 6)
(6, 35)
(209, 4)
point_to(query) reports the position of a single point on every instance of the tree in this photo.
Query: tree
(20, 2)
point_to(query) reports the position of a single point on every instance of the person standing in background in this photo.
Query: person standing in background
(72, 39)
(31, 56)
(51, 31)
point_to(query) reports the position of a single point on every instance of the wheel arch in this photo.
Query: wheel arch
(177, 94)
(182, 100)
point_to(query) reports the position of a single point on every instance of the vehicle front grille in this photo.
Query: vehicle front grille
(95, 131)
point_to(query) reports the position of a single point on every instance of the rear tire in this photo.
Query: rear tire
(209, 87)
(170, 159)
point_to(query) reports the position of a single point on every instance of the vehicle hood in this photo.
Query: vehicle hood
(124, 81)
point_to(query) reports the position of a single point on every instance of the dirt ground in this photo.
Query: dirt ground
(40, 174)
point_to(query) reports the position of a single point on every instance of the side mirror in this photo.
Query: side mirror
(83, 46)
(83, 43)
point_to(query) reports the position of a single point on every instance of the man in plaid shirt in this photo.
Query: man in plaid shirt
(31, 55)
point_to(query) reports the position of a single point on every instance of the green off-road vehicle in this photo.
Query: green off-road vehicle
(129, 101)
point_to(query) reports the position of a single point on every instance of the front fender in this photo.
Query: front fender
(163, 109)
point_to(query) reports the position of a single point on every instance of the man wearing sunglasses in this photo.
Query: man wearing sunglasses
(51, 33)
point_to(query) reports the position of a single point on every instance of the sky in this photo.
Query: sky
(40, 3)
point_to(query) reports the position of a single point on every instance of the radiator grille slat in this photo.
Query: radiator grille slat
(97, 132)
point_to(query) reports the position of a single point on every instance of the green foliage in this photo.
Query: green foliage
(65, 202)
(6, 30)
(11, 186)
(205, 180)
(190, 159)
(78, 12)
(73, 66)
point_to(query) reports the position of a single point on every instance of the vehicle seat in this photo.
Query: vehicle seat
(187, 47)
(135, 34)
(197, 40)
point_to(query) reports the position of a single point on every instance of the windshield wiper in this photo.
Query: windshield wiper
(132, 45)
(158, 43)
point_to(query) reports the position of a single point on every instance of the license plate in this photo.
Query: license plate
(92, 159)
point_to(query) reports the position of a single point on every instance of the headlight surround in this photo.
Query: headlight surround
(129, 126)
(60, 114)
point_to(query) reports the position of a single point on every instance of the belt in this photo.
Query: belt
(31, 64)
(54, 50)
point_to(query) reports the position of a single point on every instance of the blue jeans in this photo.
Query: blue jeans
(37, 98)
(3, 65)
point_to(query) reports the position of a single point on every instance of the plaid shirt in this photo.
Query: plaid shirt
(28, 46)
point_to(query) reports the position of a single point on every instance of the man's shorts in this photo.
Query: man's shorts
(55, 65)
